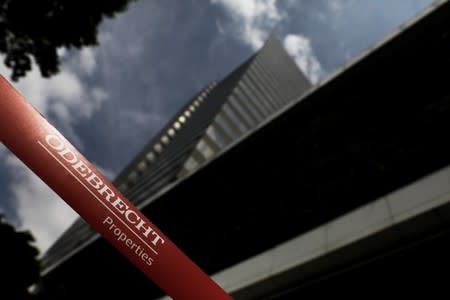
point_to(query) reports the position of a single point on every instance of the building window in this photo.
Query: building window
(216, 136)
(150, 156)
(243, 110)
(132, 177)
(123, 187)
(235, 119)
(222, 123)
(190, 164)
(204, 149)
(257, 112)
(157, 148)
(142, 166)
(165, 140)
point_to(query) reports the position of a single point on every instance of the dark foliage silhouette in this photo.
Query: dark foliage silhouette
(19, 267)
(31, 29)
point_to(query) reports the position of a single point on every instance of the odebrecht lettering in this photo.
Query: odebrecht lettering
(108, 195)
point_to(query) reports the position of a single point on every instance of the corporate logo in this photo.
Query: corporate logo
(144, 241)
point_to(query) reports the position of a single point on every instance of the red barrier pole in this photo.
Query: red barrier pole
(50, 156)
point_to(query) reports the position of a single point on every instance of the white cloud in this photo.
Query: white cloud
(220, 27)
(62, 52)
(105, 37)
(135, 49)
(40, 210)
(64, 90)
(336, 6)
(99, 94)
(108, 173)
(139, 119)
(253, 19)
(3, 151)
(70, 100)
(64, 95)
(87, 60)
(299, 47)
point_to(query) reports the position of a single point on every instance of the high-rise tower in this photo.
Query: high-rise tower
(215, 118)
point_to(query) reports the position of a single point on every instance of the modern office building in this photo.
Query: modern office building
(213, 120)
(295, 191)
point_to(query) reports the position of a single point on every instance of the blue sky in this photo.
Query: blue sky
(111, 99)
